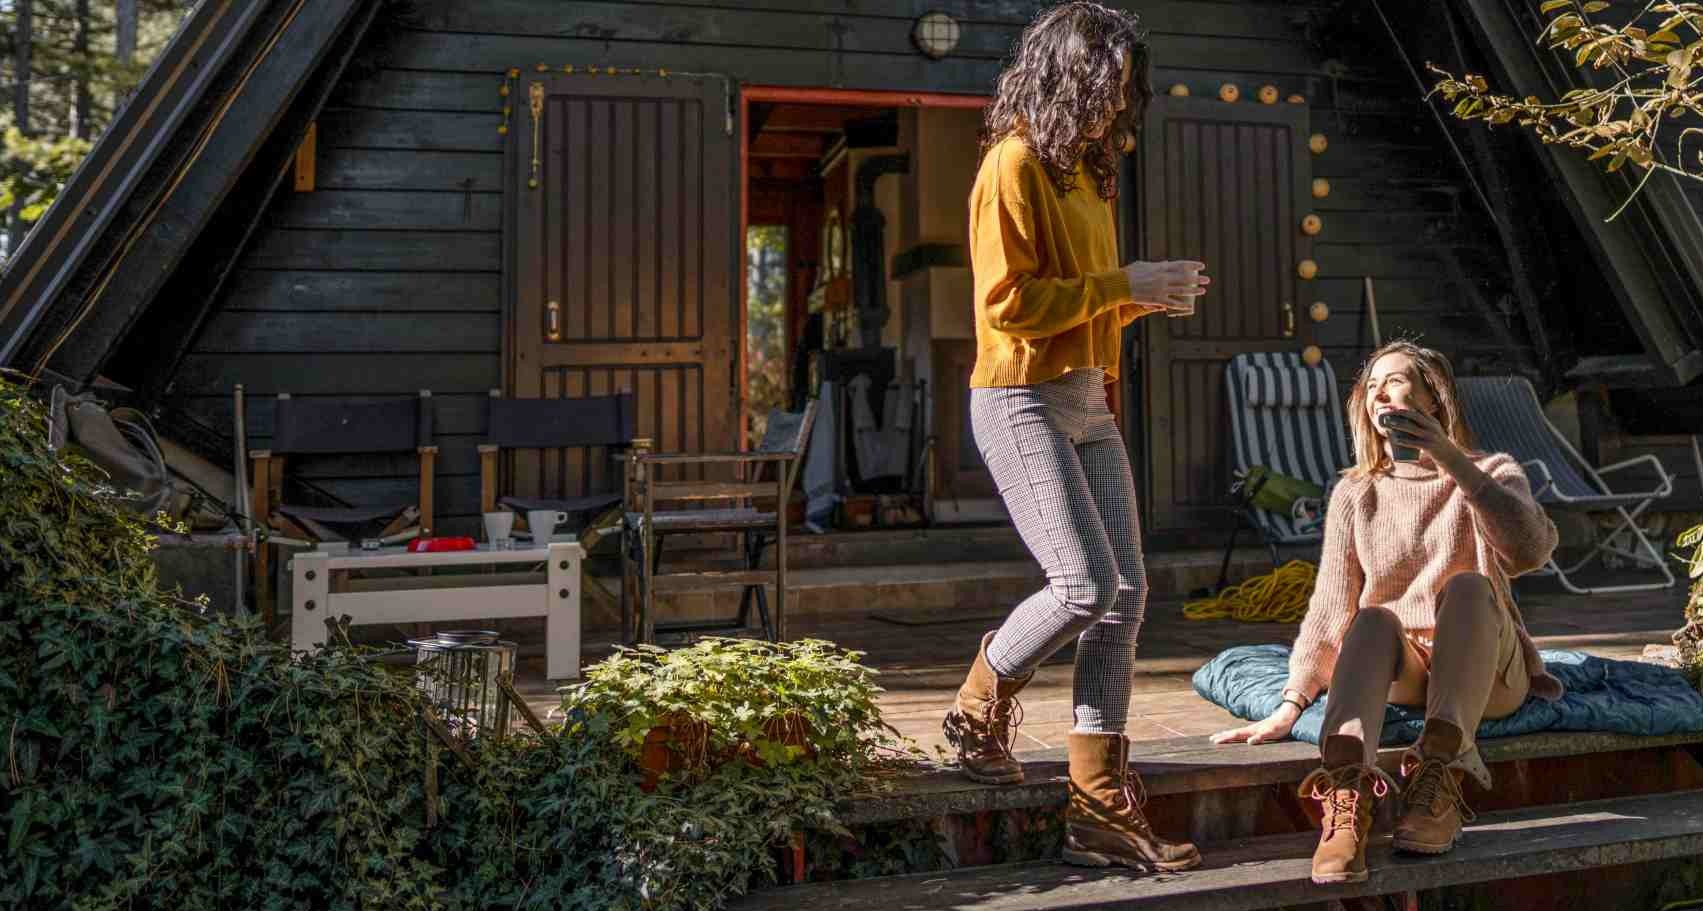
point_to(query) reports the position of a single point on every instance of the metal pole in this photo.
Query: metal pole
(242, 505)
(1372, 311)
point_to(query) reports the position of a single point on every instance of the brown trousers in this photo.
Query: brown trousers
(1468, 668)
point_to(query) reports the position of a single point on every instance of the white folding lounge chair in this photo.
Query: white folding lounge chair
(1505, 415)
(1286, 416)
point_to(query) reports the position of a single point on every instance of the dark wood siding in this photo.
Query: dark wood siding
(388, 278)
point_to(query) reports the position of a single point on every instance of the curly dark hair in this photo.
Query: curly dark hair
(1066, 72)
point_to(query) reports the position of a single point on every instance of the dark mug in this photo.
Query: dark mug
(1396, 422)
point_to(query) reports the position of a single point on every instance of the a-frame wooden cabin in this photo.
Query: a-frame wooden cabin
(363, 199)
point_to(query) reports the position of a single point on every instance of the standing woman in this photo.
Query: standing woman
(1412, 607)
(1050, 304)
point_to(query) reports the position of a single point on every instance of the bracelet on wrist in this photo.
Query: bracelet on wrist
(1298, 706)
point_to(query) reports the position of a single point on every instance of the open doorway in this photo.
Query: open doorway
(857, 292)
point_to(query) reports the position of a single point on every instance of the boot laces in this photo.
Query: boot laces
(999, 721)
(1339, 790)
(1134, 793)
(1003, 716)
(1429, 779)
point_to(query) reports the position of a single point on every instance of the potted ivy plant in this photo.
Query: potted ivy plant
(679, 714)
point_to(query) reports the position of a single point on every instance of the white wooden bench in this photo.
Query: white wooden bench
(320, 589)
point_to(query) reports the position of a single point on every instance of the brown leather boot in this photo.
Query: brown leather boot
(1433, 808)
(983, 722)
(1104, 824)
(1348, 788)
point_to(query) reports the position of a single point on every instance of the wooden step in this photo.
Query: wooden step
(1184, 765)
(956, 581)
(1272, 871)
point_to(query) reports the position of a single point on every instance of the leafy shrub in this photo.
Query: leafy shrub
(158, 757)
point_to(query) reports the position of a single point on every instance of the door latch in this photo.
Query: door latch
(1288, 319)
(553, 321)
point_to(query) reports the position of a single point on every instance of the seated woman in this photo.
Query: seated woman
(1412, 607)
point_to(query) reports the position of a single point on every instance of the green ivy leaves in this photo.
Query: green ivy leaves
(157, 757)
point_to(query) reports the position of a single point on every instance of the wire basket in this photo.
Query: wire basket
(459, 672)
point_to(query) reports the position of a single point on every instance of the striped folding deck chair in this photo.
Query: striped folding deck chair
(1286, 416)
(1505, 415)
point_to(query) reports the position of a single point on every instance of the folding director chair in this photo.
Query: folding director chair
(1285, 416)
(1505, 415)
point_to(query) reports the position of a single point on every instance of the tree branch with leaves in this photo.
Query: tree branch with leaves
(1652, 66)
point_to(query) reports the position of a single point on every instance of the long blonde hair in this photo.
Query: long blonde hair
(1370, 456)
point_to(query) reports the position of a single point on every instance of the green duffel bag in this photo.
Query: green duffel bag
(1276, 492)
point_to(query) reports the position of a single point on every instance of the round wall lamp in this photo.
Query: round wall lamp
(935, 34)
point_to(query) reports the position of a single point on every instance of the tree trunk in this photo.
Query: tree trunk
(125, 49)
(23, 73)
(82, 116)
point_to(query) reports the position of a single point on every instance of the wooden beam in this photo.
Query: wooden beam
(306, 153)
(813, 118)
(789, 145)
(305, 37)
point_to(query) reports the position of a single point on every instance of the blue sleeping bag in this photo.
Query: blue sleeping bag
(1622, 697)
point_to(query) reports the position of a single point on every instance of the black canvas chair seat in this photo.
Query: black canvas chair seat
(583, 507)
(352, 523)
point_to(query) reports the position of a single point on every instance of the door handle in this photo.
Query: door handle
(553, 320)
(1288, 320)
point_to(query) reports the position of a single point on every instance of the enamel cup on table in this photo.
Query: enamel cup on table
(499, 528)
(543, 524)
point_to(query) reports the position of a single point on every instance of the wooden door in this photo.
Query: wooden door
(1226, 184)
(624, 249)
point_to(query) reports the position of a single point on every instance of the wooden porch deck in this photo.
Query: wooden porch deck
(921, 655)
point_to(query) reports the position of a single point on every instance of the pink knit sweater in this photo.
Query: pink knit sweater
(1392, 541)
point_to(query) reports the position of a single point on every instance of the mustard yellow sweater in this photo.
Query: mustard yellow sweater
(1050, 294)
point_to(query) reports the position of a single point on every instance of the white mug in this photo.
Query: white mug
(498, 528)
(543, 523)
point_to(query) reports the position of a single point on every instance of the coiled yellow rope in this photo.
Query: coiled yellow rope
(1279, 596)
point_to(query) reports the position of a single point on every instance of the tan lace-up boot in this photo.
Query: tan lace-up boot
(1105, 824)
(1433, 808)
(1348, 789)
(983, 722)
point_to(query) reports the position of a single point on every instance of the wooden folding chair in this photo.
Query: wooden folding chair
(778, 456)
(589, 422)
(313, 427)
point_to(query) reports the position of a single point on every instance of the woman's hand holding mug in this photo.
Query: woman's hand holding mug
(1172, 284)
